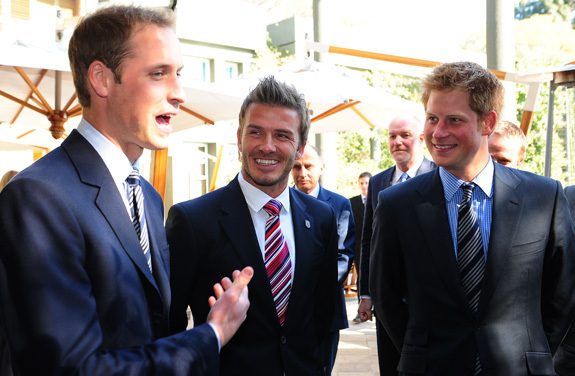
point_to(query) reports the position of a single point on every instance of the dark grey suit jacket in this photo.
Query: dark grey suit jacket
(527, 299)
(565, 357)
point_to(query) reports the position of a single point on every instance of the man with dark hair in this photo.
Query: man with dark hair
(473, 264)
(306, 172)
(288, 237)
(84, 264)
(507, 144)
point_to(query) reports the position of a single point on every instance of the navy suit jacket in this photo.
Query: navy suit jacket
(377, 183)
(345, 246)
(76, 294)
(213, 235)
(526, 303)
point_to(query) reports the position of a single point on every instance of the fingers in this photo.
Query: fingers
(241, 280)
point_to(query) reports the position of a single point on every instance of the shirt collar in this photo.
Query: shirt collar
(256, 198)
(313, 193)
(114, 158)
(483, 180)
(412, 172)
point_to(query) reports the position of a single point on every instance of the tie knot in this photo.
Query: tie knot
(134, 178)
(273, 207)
(467, 191)
(403, 177)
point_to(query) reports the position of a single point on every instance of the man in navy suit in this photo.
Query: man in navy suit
(306, 172)
(473, 264)
(237, 226)
(406, 148)
(78, 294)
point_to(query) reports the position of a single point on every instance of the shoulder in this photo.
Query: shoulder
(308, 203)
(207, 202)
(378, 179)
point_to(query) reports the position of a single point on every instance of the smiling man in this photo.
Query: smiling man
(84, 264)
(289, 238)
(473, 264)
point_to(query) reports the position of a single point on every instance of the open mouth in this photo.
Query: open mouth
(164, 119)
(444, 147)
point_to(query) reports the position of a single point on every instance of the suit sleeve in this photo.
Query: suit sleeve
(48, 312)
(366, 243)
(387, 284)
(557, 297)
(346, 242)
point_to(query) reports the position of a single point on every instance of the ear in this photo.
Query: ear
(299, 152)
(489, 123)
(99, 78)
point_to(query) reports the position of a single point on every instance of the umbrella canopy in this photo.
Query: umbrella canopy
(339, 98)
(38, 104)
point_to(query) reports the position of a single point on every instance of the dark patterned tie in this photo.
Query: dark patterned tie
(136, 201)
(470, 255)
(277, 259)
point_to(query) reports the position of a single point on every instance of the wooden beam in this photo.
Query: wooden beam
(160, 170)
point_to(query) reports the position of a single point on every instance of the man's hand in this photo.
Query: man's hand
(230, 304)
(364, 310)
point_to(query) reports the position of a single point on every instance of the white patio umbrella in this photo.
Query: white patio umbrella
(339, 98)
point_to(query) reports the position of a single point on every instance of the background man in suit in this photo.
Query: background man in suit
(77, 295)
(406, 148)
(507, 144)
(472, 265)
(306, 172)
(235, 226)
(358, 210)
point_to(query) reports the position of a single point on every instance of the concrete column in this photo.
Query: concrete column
(501, 48)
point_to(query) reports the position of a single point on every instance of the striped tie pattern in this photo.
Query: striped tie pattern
(470, 255)
(403, 177)
(136, 202)
(277, 259)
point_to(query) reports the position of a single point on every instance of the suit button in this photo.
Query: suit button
(283, 340)
(157, 318)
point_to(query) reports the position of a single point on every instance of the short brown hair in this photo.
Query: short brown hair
(485, 91)
(274, 93)
(105, 35)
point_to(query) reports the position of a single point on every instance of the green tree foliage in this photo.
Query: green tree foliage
(557, 8)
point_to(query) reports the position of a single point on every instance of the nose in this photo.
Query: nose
(177, 94)
(439, 130)
(268, 144)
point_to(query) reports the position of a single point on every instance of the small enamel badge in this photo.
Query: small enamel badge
(307, 224)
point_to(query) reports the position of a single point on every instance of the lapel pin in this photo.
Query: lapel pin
(307, 224)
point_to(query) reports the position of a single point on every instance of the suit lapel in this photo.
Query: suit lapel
(92, 171)
(506, 213)
(432, 216)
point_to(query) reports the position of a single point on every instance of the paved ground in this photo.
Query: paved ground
(357, 351)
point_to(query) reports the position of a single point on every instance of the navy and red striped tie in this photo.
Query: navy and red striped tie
(277, 259)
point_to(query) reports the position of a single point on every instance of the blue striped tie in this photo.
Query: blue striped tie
(277, 259)
(470, 255)
(136, 202)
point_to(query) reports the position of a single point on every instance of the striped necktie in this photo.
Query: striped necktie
(136, 202)
(470, 255)
(277, 259)
(403, 177)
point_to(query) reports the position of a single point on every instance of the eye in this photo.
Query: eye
(157, 75)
